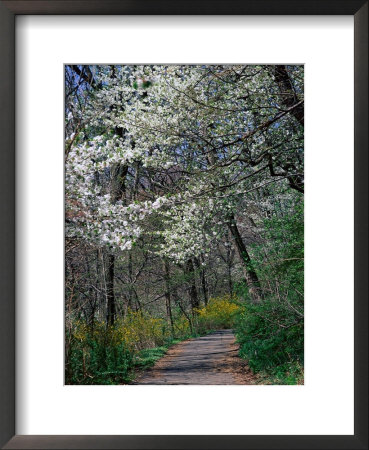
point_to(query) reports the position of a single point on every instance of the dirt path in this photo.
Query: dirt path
(212, 359)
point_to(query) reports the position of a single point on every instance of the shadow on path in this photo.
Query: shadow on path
(211, 359)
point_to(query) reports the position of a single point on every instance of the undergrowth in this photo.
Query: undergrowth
(110, 355)
(271, 332)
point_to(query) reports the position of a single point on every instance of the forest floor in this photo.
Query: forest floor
(211, 359)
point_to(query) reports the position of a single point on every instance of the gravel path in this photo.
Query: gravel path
(212, 359)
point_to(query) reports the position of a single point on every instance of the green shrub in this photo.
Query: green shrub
(97, 361)
(105, 355)
(271, 338)
(271, 332)
(109, 355)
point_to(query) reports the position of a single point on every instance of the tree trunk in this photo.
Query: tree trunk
(167, 295)
(251, 277)
(130, 280)
(288, 94)
(230, 282)
(118, 190)
(110, 316)
(203, 280)
(178, 302)
(118, 181)
(192, 291)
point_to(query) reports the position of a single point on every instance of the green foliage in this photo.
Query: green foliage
(286, 236)
(271, 332)
(147, 357)
(271, 337)
(97, 360)
(102, 355)
(109, 355)
(143, 84)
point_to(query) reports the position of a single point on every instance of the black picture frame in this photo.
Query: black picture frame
(8, 12)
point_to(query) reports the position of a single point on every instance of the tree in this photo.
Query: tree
(183, 183)
(191, 144)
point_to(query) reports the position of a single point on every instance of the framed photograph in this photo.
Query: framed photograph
(184, 224)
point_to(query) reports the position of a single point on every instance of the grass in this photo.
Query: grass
(288, 374)
(147, 357)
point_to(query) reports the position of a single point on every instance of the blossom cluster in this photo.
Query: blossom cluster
(196, 143)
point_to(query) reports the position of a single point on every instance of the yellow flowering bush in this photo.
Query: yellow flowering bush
(182, 327)
(105, 355)
(97, 354)
(136, 331)
(220, 312)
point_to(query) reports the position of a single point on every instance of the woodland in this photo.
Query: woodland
(184, 214)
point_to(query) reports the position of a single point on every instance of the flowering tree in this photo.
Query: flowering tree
(180, 156)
